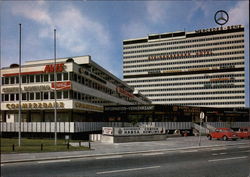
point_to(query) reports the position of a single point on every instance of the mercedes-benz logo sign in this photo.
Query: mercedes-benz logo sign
(221, 17)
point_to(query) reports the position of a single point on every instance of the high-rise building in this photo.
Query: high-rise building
(199, 68)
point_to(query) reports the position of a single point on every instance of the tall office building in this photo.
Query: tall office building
(199, 68)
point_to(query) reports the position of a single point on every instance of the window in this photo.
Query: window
(38, 95)
(46, 77)
(32, 95)
(17, 97)
(59, 95)
(17, 79)
(32, 78)
(59, 77)
(6, 80)
(65, 94)
(52, 95)
(45, 95)
(24, 79)
(12, 80)
(6, 97)
(38, 78)
(24, 96)
(65, 76)
(52, 77)
(12, 97)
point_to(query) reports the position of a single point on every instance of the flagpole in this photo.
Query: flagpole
(20, 93)
(55, 96)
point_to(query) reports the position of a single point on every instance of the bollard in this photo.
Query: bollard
(41, 147)
(68, 145)
(79, 143)
(13, 147)
(89, 145)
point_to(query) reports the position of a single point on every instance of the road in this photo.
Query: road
(207, 162)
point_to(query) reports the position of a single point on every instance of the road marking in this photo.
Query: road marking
(156, 153)
(232, 158)
(218, 149)
(188, 151)
(2, 165)
(223, 153)
(109, 157)
(243, 147)
(125, 170)
(54, 161)
(215, 154)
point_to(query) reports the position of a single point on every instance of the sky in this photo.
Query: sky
(98, 27)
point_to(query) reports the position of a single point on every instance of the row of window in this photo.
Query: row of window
(189, 83)
(183, 41)
(183, 62)
(195, 93)
(213, 103)
(143, 91)
(196, 51)
(231, 76)
(182, 57)
(184, 47)
(197, 98)
(215, 59)
(223, 65)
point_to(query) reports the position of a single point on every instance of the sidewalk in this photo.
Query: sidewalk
(104, 149)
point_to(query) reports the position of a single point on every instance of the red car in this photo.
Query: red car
(243, 132)
(223, 133)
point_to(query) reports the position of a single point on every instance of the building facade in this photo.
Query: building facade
(82, 89)
(201, 68)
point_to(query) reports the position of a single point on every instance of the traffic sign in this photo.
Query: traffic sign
(202, 115)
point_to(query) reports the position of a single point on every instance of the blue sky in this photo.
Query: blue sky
(97, 28)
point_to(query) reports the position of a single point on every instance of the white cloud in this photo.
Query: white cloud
(156, 11)
(239, 14)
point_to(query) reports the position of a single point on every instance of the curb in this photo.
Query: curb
(112, 154)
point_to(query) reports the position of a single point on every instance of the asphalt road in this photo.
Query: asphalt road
(207, 162)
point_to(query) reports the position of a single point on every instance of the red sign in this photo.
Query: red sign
(61, 85)
(124, 92)
(57, 67)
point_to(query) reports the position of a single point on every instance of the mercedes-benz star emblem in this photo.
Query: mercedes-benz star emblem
(221, 17)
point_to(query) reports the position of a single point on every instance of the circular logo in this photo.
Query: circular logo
(221, 17)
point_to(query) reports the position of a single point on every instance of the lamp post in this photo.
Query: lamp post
(55, 96)
(20, 91)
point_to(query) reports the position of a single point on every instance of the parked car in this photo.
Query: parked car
(223, 133)
(243, 132)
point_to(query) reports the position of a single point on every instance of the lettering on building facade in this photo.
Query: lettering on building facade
(46, 105)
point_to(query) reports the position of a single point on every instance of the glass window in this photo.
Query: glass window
(12, 97)
(12, 80)
(24, 96)
(71, 76)
(59, 95)
(17, 97)
(52, 95)
(3, 80)
(59, 77)
(38, 95)
(46, 77)
(65, 76)
(6, 80)
(45, 95)
(6, 97)
(32, 78)
(17, 79)
(75, 77)
(65, 94)
(32, 96)
(24, 79)
(51, 77)
(38, 78)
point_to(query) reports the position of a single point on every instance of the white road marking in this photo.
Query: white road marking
(2, 165)
(125, 170)
(215, 154)
(232, 158)
(54, 161)
(184, 151)
(223, 153)
(109, 157)
(218, 149)
(242, 147)
(156, 153)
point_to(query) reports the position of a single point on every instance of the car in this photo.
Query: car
(243, 132)
(223, 133)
